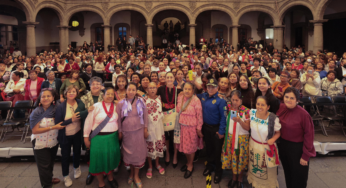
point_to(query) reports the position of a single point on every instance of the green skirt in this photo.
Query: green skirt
(104, 153)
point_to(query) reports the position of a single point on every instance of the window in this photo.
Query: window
(270, 33)
(99, 34)
(218, 33)
(122, 32)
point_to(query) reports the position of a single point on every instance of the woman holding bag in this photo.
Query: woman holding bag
(187, 132)
(103, 140)
(168, 94)
(263, 156)
(235, 153)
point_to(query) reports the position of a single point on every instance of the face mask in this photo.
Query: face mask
(309, 60)
(251, 52)
(255, 80)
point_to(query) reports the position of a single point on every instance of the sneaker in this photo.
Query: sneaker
(77, 173)
(68, 181)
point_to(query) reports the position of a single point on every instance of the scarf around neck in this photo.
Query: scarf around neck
(127, 108)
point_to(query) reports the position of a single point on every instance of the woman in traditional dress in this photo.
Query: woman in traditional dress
(156, 141)
(297, 137)
(235, 153)
(265, 130)
(103, 141)
(189, 123)
(132, 126)
(44, 136)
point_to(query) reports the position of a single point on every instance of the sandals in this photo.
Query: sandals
(139, 184)
(149, 173)
(160, 169)
(130, 180)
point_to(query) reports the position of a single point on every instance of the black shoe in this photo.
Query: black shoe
(188, 173)
(167, 163)
(207, 171)
(174, 165)
(234, 184)
(195, 159)
(217, 179)
(114, 183)
(240, 184)
(89, 179)
(183, 168)
(230, 183)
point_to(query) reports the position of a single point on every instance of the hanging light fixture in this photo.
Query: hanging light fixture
(75, 23)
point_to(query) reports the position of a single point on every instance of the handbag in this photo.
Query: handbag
(177, 127)
(271, 155)
(170, 116)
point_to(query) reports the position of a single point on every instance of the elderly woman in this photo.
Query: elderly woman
(42, 125)
(70, 67)
(101, 137)
(312, 82)
(162, 79)
(272, 76)
(71, 135)
(331, 86)
(235, 153)
(265, 130)
(223, 88)
(279, 87)
(73, 80)
(132, 126)
(189, 124)
(296, 143)
(32, 86)
(144, 84)
(52, 82)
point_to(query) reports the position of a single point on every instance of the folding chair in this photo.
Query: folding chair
(7, 105)
(340, 100)
(14, 123)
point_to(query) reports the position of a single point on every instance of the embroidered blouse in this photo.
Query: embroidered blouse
(48, 139)
(259, 127)
(244, 114)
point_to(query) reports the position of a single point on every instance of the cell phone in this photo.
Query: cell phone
(190, 73)
(233, 114)
(280, 89)
(309, 71)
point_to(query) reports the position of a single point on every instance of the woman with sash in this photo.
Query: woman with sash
(168, 94)
(44, 136)
(132, 125)
(101, 137)
(263, 155)
(235, 153)
(120, 88)
(188, 128)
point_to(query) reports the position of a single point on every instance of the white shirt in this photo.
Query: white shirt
(259, 130)
(48, 139)
(241, 130)
(154, 69)
(261, 69)
(11, 86)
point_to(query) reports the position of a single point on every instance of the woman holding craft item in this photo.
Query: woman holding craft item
(235, 153)
(156, 140)
(263, 154)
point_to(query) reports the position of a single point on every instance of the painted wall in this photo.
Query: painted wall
(8, 20)
(46, 31)
(336, 6)
(218, 17)
(287, 31)
(251, 19)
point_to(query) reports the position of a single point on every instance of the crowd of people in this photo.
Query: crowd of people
(241, 105)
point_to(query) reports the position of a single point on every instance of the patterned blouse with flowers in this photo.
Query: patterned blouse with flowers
(244, 114)
(192, 116)
(46, 139)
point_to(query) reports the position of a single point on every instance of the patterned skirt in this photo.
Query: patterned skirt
(238, 162)
(189, 140)
(156, 141)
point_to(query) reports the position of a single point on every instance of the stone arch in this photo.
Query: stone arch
(111, 11)
(286, 6)
(321, 8)
(59, 10)
(225, 33)
(26, 7)
(219, 7)
(80, 8)
(257, 8)
(170, 6)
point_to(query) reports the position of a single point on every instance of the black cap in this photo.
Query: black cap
(212, 82)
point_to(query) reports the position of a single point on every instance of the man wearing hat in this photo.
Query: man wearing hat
(214, 126)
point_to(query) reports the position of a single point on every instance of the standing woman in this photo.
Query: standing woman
(42, 125)
(144, 84)
(179, 78)
(246, 90)
(120, 88)
(235, 152)
(296, 142)
(129, 73)
(156, 139)
(101, 136)
(264, 89)
(168, 95)
(132, 125)
(189, 122)
(265, 130)
(71, 135)
(233, 81)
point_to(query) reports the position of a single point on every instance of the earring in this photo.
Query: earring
(53, 102)
(39, 104)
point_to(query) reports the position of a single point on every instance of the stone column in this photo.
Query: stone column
(192, 34)
(64, 40)
(235, 36)
(150, 34)
(107, 37)
(278, 37)
(318, 34)
(30, 38)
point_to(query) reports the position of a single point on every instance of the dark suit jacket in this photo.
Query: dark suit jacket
(86, 78)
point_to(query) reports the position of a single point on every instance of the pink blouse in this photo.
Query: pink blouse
(192, 116)
(96, 116)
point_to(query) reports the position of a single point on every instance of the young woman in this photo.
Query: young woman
(190, 121)
(42, 125)
(319, 67)
(236, 69)
(279, 87)
(141, 68)
(132, 126)
(129, 73)
(244, 70)
(71, 135)
(264, 89)
(156, 139)
(154, 77)
(147, 69)
(73, 80)
(179, 78)
(120, 88)
(233, 81)
(246, 90)
(101, 136)
(143, 89)
(265, 130)
(235, 153)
